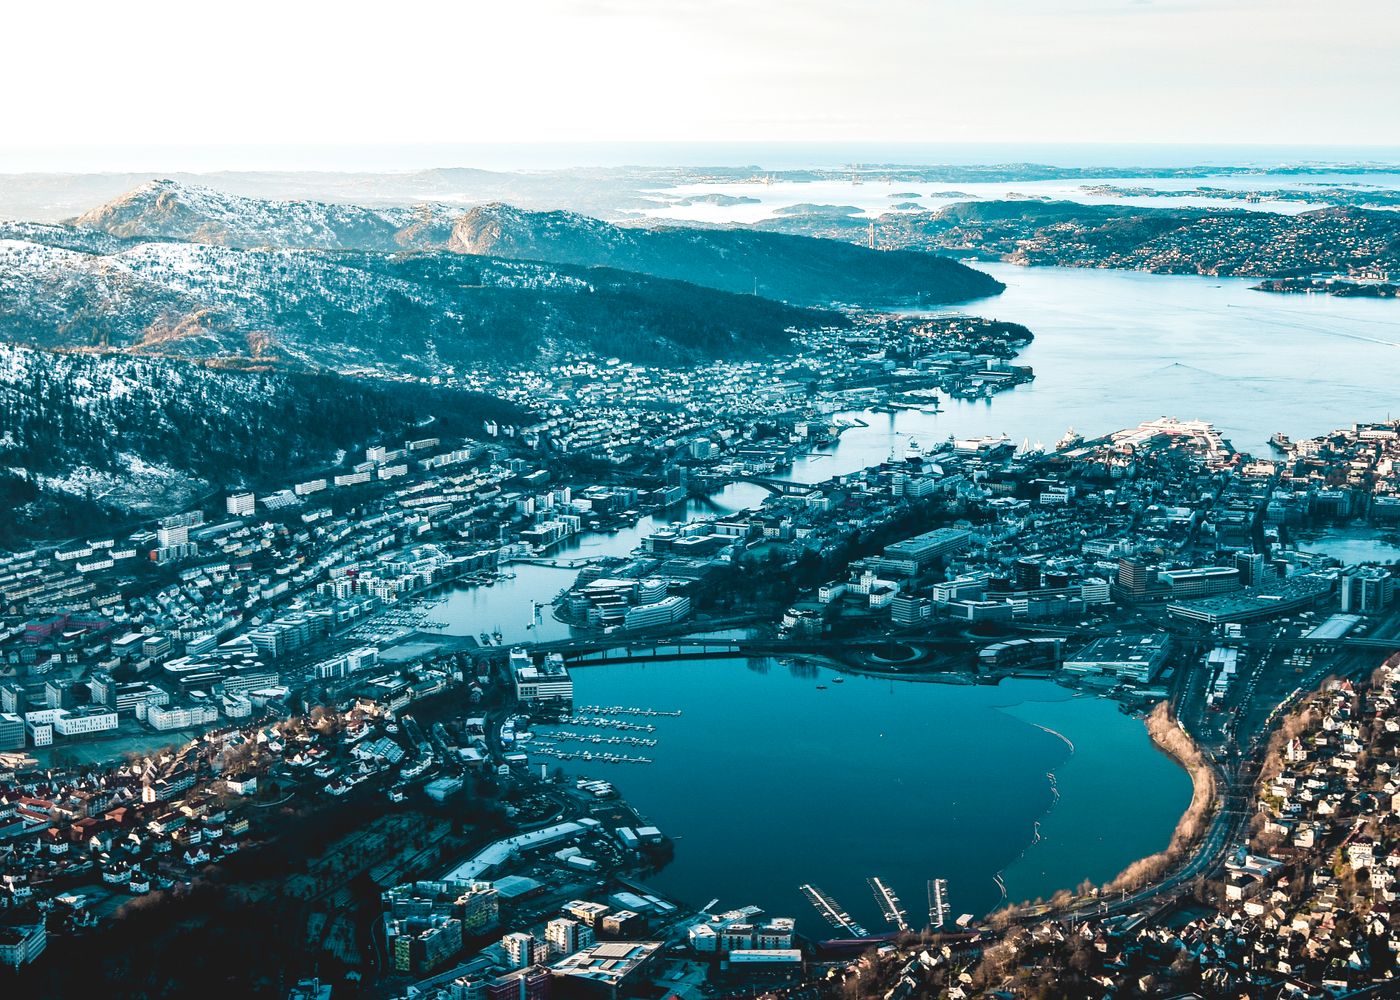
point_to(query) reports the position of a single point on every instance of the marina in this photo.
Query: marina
(589, 756)
(831, 911)
(889, 904)
(604, 722)
(565, 736)
(938, 905)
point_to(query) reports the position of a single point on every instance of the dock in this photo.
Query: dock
(831, 911)
(938, 905)
(889, 904)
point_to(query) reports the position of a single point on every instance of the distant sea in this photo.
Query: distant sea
(767, 155)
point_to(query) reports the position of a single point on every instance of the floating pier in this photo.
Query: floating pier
(889, 904)
(831, 911)
(601, 722)
(938, 905)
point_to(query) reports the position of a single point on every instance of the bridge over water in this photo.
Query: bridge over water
(783, 487)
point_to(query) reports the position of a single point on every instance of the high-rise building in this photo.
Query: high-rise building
(241, 504)
(481, 907)
(1366, 590)
(1133, 575)
(1025, 574)
(567, 936)
(1251, 567)
(520, 949)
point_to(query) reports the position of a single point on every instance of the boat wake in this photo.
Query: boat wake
(1052, 732)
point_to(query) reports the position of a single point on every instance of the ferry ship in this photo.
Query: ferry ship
(1072, 437)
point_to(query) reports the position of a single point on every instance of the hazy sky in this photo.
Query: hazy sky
(306, 71)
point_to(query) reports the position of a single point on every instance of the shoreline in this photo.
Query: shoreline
(1058, 896)
(1168, 737)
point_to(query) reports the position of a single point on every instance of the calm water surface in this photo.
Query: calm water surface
(1354, 545)
(1114, 348)
(767, 782)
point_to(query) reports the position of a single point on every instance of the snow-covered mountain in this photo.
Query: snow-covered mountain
(788, 268)
(418, 312)
(164, 209)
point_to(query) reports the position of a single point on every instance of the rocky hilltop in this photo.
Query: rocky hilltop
(164, 209)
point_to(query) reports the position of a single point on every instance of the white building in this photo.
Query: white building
(241, 504)
(80, 723)
(566, 936)
(164, 717)
(522, 949)
(663, 612)
(549, 681)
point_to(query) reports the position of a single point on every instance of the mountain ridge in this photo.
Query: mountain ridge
(792, 268)
(420, 312)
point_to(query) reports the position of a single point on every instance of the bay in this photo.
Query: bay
(777, 775)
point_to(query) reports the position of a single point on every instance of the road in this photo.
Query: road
(1237, 768)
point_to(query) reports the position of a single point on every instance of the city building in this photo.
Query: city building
(565, 936)
(549, 681)
(607, 970)
(1135, 658)
(241, 504)
(12, 734)
(21, 944)
(1365, 590)
(523, 950)
(533, 983)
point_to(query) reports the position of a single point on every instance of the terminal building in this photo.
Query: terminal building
(609, 970)
(1036, 654)
(1134, 658)
(1298, 593)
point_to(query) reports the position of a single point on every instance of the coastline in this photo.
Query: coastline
(1066, 893)
(1173, 741)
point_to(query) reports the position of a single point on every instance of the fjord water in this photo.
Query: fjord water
(1114, 348)
(767, 782)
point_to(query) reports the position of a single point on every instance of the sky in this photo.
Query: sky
(98, 75)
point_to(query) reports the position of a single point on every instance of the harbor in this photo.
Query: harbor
(827, 823)
(831, 911)
(889, 904)
(938, 905)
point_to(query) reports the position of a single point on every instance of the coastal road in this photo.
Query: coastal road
(1237, 771)
(1224, 833)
